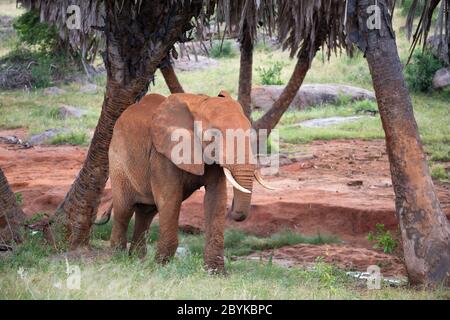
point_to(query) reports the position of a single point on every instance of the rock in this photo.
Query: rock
(66, 111)
(263, 97)
(10, 140)
(53, 91)
(184, 64)
(355, 183)
(45, 136)
(89, 88)
(441, 79)
(182, 252)
(325, 122)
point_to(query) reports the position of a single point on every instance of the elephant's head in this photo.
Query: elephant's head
(197, 130)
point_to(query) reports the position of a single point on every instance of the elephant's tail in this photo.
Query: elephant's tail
(106, 216)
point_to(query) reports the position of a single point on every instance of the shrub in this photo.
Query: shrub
(35, 33)
(73, 138)
(224, 50)
(271, 75)
(382, 239)
(19, 198)
(419, 74)
(438, 172)
(365, 106)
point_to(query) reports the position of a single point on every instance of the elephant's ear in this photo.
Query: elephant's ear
(173, 135)
(224, 94)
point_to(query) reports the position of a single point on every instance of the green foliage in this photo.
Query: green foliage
(405, 5)
(419, 74)
(32, 32)
(73, 138)
(19, 198)
(438, 172)
(439, 152)
(271, 75)
(382, 239)
(239, 243)
(365, 107)
(225, 50)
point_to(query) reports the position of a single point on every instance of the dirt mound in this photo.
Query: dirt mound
(343, 257)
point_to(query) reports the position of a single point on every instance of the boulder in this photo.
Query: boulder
(186, 64)
(309, 95)
(53, 91)
(441, 79)
(89, 88)
(66, 111)
(45, 137)
(326, 122)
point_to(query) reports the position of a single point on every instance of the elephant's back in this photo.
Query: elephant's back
(131, 141)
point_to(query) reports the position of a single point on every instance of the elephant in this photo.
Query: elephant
(145, 180)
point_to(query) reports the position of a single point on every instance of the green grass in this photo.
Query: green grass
(119, 276)
(237, 243)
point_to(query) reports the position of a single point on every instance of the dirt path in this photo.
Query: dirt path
(345, 190)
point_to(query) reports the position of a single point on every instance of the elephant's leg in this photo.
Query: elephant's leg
(167, 188)
(168, 230)
(215, 209)
(121, 218)
(143, 216)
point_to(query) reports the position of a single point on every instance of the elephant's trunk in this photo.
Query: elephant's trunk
(240, 207)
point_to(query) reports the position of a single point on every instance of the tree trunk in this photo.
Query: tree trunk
(245, 72)
(171, 78)
(11, 215)
(152, 28)
(424, 227)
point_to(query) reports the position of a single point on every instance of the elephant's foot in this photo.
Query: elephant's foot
(118, 244)
(139, 250)
(165, 253)
(215, 265)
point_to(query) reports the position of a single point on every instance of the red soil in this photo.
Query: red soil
(323, 194)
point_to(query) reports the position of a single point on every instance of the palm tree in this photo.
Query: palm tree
(424, 228)
(139, 35)
(170, 77)
(11, 215)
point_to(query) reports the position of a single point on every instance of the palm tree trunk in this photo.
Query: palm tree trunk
(152, 30)
(171, 78)
(245, 72)
(11, 215)
(424, 227)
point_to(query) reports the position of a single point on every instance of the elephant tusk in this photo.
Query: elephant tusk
(262, 182)
(235, 184)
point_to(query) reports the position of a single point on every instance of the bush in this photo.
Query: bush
(382, 239)
(438, 172)
(32, 32)
(73, 138)
(224, 50)
(365, 106)
(419, 74)
(271, 75)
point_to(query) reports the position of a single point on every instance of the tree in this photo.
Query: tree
(11, 215)
(170, 77)
(246, 40)
(138, 36)
(424, 227)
